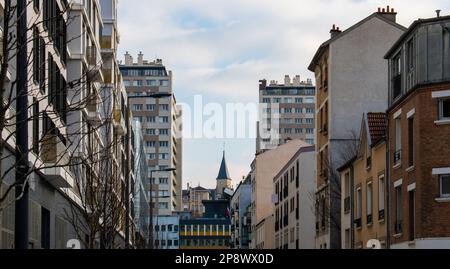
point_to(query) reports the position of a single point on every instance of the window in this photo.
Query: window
(347, 189)
(298, 121)
(151, 119)
(369, 203)
(412, 216)
(398, 210)
(299, 100)
(152, 82)
(277, 100)
(288, 100)
(396, 76)
(381, 197)
(309, 100)
(150, 131)
(310, 110)
(288, 121)
(164, 181)
(137, 83)
(164, 107)
(163, 205)
(358, 207)
(298, 130)
(288, 110)
(164, 83)
(411, 142)
(309, 121)
(163, 119)
(151, 156)
(138, 107)
(444, 186)
(45, 228)
(35, 126)
(139, 119)
(164, 131)
(151, 107)
(266, 100)
(288, 130)
(444, 109)
(163, 144)
(310, 131)
(298, 110)
(150, 144)
(410, 50)
(127, 83)
(398, 141)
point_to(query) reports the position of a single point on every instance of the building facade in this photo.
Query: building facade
(288, 112)
(294, 208)
(364, 184)
(195, 198)
(349, 80)
(265, 167)
(240, 201)
(161, 123)
(419, 116)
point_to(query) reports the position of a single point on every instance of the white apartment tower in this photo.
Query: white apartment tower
(160, 119)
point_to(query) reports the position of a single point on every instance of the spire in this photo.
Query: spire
(223, 172)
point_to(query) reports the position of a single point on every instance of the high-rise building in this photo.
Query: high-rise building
(160, 119)
(350, 79)
(287, 112)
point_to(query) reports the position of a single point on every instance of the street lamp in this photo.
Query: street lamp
(150, 243)
(127, 186)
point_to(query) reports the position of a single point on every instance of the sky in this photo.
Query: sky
(220, 49)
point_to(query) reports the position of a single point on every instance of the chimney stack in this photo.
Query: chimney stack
(140, 58)
(297, 81)
(287, 80)
(438, 13)
(388, 13)
(335, 31)
(128, 59)
(262, 84)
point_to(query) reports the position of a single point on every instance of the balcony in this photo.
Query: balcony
(54, 153)
(347, 205)
(398, 157)
(107, 76)
(93, 110)
(94, 64)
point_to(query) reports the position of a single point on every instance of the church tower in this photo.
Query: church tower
(223, 179)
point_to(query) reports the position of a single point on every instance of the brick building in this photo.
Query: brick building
(419, 136)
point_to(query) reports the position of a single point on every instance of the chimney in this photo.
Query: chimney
(335, 31)
(140, 58)
(128, 59)
(297, 81)
(287, 80)
(438, 13)
(388, 13)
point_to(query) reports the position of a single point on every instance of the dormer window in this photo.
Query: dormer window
(396, 76)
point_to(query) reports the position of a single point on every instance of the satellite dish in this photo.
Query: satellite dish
(374, 244)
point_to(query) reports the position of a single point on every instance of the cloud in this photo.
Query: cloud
(222, 48)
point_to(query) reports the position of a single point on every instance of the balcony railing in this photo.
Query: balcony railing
(397, 157)
(398, 227)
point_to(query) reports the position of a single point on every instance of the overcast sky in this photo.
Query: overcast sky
(222, 48)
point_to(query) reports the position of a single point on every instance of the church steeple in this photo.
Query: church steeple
(223, 172)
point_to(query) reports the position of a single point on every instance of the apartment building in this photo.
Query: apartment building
(240, 201)
(364, 210)
(351, 75)
(419, 117)
(294, 206)
(72, 141)
(288, 112)
(264, 168)
(161, 122)
(195, 198)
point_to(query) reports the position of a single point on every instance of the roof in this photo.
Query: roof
(200, 188)
(377, 126)
(411, 28)
(326, 44)
(302, 149)
(223, 172)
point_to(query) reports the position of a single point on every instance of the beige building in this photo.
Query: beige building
(161, 123)
(351, 77)
(265, 167)
(196, 196)
(294, 205)
(364, 187)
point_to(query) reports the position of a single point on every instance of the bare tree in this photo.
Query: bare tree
(86, 148)
(327, 199)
